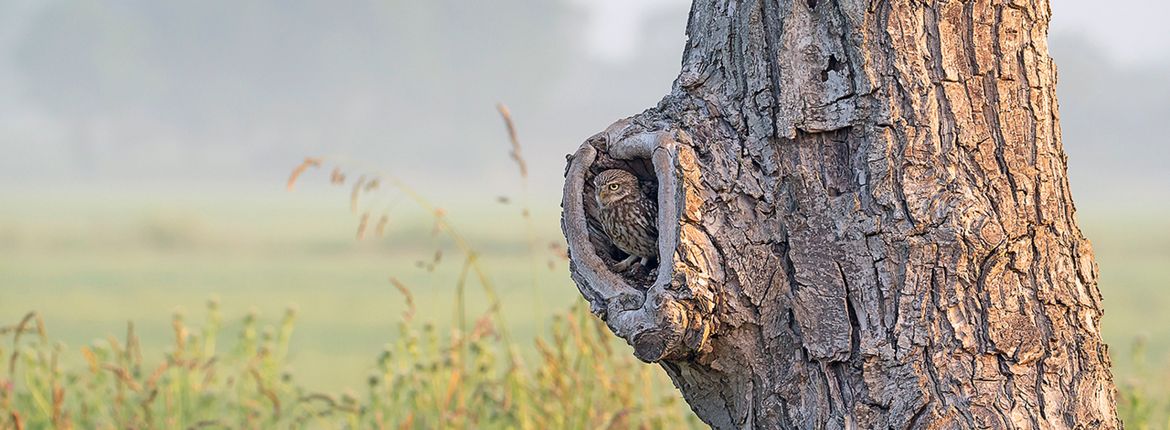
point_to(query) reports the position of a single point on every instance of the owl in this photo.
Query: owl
(627, 216)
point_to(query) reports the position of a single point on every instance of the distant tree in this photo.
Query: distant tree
(865, 222)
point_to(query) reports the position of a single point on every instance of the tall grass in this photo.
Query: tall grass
(423, 380)
(464, 373)
(468, 375)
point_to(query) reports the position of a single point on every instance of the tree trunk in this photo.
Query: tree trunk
(865, 222)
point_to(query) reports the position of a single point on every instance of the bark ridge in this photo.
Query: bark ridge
(865, 222)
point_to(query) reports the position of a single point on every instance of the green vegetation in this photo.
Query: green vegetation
(88, 265)
(458, 352)
(472, 379)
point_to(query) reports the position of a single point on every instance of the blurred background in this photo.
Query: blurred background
(144, 147)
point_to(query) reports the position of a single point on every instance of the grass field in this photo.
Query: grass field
(88, 263)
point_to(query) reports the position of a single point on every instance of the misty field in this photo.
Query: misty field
(88, 266)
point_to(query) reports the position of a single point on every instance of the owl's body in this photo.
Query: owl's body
(627, 216)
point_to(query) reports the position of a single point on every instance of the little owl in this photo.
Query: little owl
(627, 216)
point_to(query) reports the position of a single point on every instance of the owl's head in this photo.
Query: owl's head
(614, 185)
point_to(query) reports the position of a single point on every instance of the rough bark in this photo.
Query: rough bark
(865, 222)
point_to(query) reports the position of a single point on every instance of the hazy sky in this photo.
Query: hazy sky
(1132, 31)
(237, 98)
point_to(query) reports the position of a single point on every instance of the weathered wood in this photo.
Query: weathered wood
(865, 222)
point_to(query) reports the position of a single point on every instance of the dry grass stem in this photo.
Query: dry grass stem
(355, 194)
(516, 154)
(361, 230)
(268, 393)
(409, 313)
(300, 169)
(382, 222)
(19, 330)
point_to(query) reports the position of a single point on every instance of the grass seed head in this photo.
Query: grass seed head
(363, 222)
(506, 114)
(337, 177)
(355, 194)
(382, 222)
(300, 169)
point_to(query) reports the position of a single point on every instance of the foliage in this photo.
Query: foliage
(424, 380)
(427, 377)
(472, 377)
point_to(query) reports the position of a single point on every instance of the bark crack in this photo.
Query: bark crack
(863, 216)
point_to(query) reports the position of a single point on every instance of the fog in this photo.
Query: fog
(217, 92)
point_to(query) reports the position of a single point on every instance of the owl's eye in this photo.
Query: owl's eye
(614, 187)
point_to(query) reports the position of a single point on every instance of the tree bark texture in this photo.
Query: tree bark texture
(865, 222)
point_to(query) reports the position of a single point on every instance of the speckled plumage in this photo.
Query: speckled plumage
(627, 216)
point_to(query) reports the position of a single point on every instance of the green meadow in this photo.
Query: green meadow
(89, 263)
